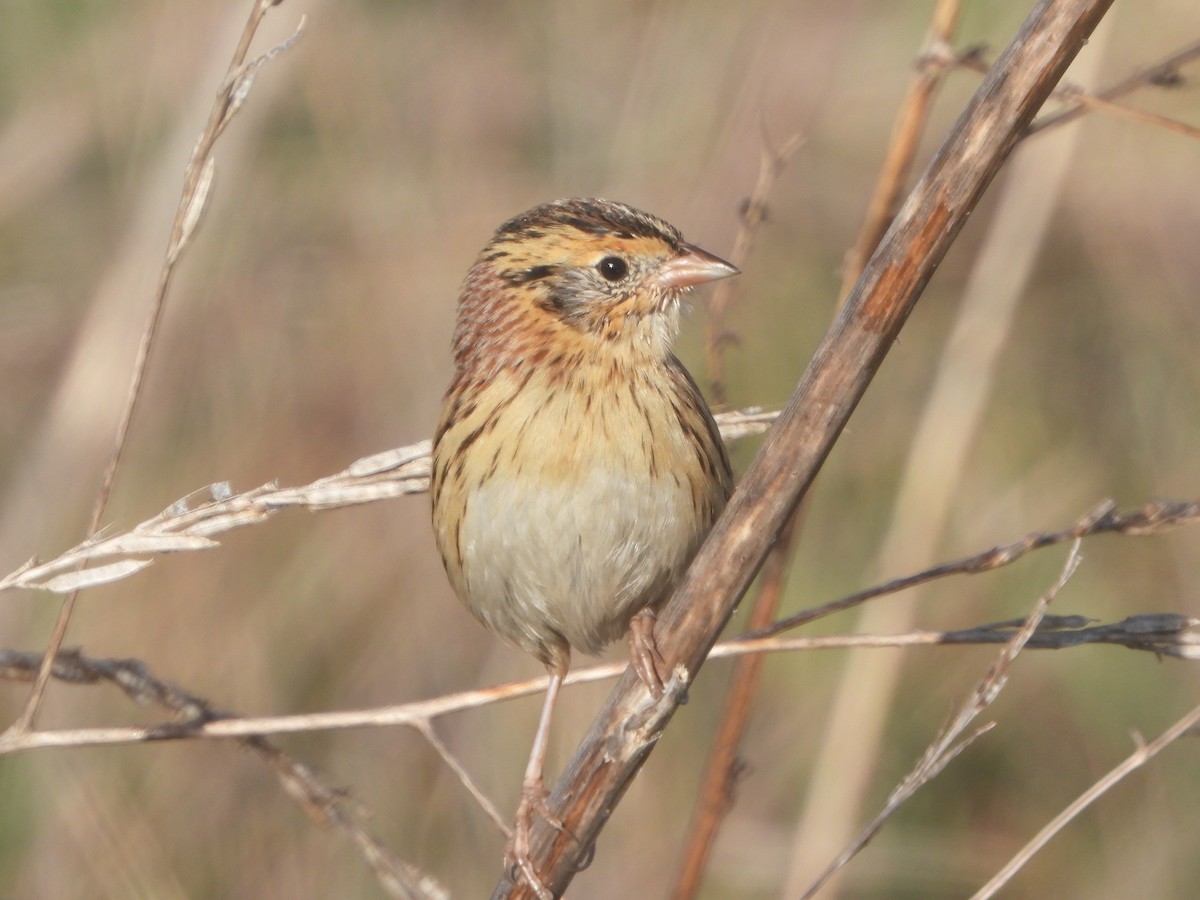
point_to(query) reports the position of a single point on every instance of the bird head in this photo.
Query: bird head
(580, 276)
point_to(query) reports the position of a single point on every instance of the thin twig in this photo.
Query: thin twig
(1122, 111)
(329, 806)
(717, 781)
(182, 527)
(489, 808)
(953, 738)
(1152, 517)
(754, 213)
(197, 182)
(1140, 756)
(721, 769)
(1162, 73)
(906, 136)
(1163, 634)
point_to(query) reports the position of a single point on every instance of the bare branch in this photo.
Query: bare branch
(951, 741)
(1164, 634)
(1123, 111)
(180, 527)
(906, 134)
(328, 806)
(754, 214)
(197, 181)
(717, 782)
(1151, 518)
(1164, 73)
(464, 776)
(1140, 756)
(627, 728)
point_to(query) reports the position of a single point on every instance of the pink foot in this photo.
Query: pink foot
(516, 857)
(643, 652)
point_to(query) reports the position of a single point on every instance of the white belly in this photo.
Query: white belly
(577, 558)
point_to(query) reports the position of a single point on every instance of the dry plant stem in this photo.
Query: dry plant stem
(754, 214)
(1142, 755)
(1152, 517)
(631, 722)
(324, 804)
(1163, 634)
(906, 137)
(717, 781)
(464, 776)
(1162, 72)
(1103, 102)
(1135, 115)
(721, 770)
(180, 528)
(197, 182)
(953, 739)
(1168, 634)
(327, 807)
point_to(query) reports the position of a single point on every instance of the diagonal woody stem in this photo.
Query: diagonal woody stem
(626, 729)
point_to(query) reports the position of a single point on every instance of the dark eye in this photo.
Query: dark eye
(613, 268)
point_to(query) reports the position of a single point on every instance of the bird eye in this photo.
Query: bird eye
(613, 268)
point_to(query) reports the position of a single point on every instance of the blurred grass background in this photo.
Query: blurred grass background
(309, 325)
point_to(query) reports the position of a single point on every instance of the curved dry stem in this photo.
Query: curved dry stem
(197, 182)
(1152, 517)
(1140, 756)
(330, 806)
(717, 335)
(717, 782)
(953, 738)
(947, 429)
(628, 727)
(182, 527)
(1163, 634)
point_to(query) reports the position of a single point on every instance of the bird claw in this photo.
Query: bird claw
(647, 662)
(534, 797)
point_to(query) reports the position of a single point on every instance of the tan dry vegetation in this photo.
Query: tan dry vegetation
(309, 326)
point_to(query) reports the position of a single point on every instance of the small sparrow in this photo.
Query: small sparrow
(576, 468)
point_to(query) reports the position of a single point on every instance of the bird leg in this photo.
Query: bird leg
(533, 792)
(643, 652)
